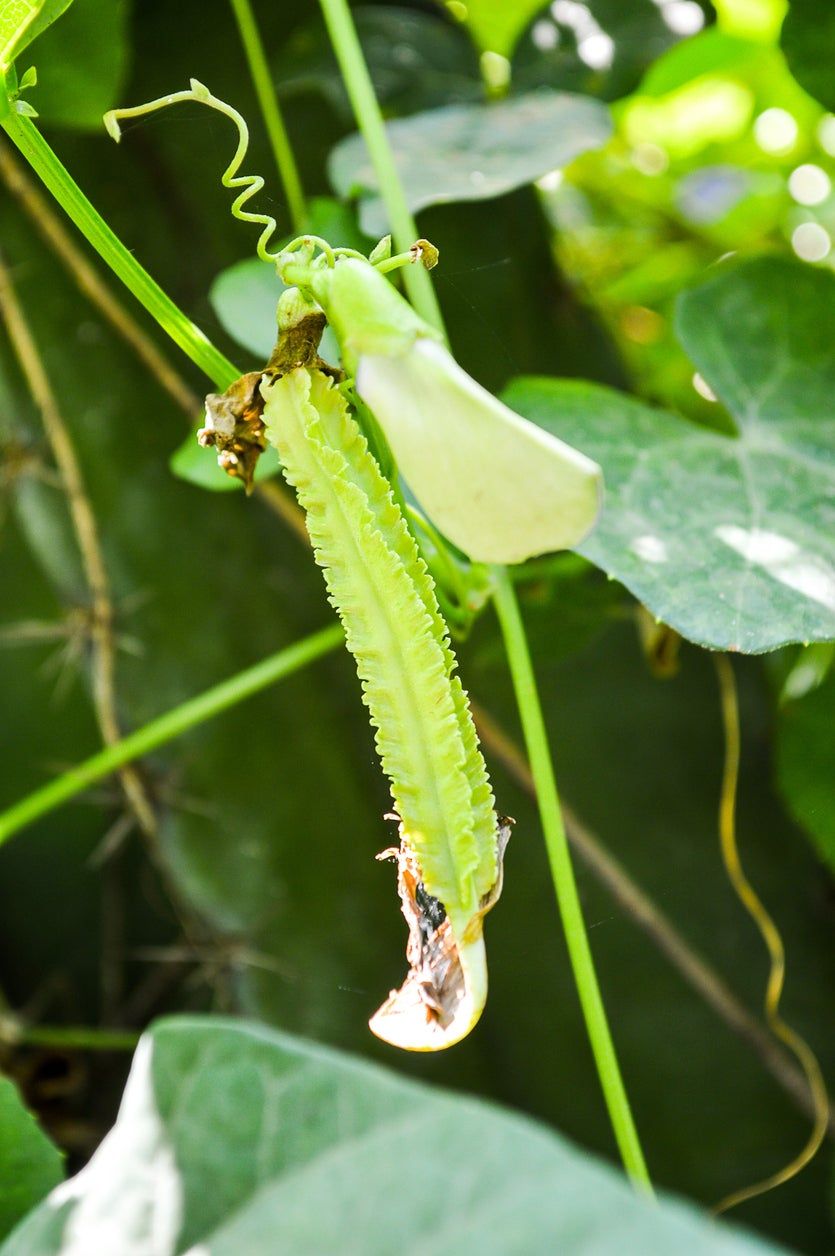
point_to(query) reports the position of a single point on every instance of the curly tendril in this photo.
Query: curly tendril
(251, 184)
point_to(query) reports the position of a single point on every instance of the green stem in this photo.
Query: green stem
(72, 1037)
(360, 89)
(28, 139)
(166, 727)
(536, 740)
(267, 99)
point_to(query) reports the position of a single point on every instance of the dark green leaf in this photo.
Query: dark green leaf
(730, 540)
(472, 152)
(808, 41)
(416, 61)
(239, 1139)
(600, 48)
(31, 1164)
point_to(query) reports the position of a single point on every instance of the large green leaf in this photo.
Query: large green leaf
(806, 763)
(21, 21)
(808, 41)
(729, 539)
(82, 64)
(472, 152)
(31, 1164)
(238, 1139)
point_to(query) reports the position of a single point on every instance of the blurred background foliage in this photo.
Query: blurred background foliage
(259, 892)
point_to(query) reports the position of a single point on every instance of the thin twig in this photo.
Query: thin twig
(17, 1032)
(699, 974)
(90, 283)
(103, 646)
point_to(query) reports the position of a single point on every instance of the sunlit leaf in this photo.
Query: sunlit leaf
(233, 1138)
(472, 152)
(82, 64)
(729, 539)
(21, 21)
(711, 52)
(32, 1165)
(496, 25)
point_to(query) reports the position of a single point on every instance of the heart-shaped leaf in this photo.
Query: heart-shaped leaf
(233, 1138)
(472, 152)
(729, 539)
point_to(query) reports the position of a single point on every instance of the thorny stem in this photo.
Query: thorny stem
(360, 89)
(84, 522)
(274, 122)
(172, 724)
(34, 148)
(536, 739)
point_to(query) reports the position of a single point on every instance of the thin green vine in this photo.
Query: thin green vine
(271, 111)
(360, 89)
(369, 119)
(186, 334)
(539, 754)
(168, 726)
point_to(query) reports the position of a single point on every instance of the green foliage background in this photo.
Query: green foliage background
(264, 896)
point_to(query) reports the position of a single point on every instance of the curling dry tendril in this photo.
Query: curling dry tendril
(774, 943)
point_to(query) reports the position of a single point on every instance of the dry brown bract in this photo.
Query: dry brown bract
(234, 423)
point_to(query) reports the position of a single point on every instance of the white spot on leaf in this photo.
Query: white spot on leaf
(650, 548)
(784, 560)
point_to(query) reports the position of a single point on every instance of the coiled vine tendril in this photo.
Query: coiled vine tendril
(251, 184)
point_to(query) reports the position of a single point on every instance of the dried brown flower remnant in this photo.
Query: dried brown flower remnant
(234, 423)
(235, 428)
